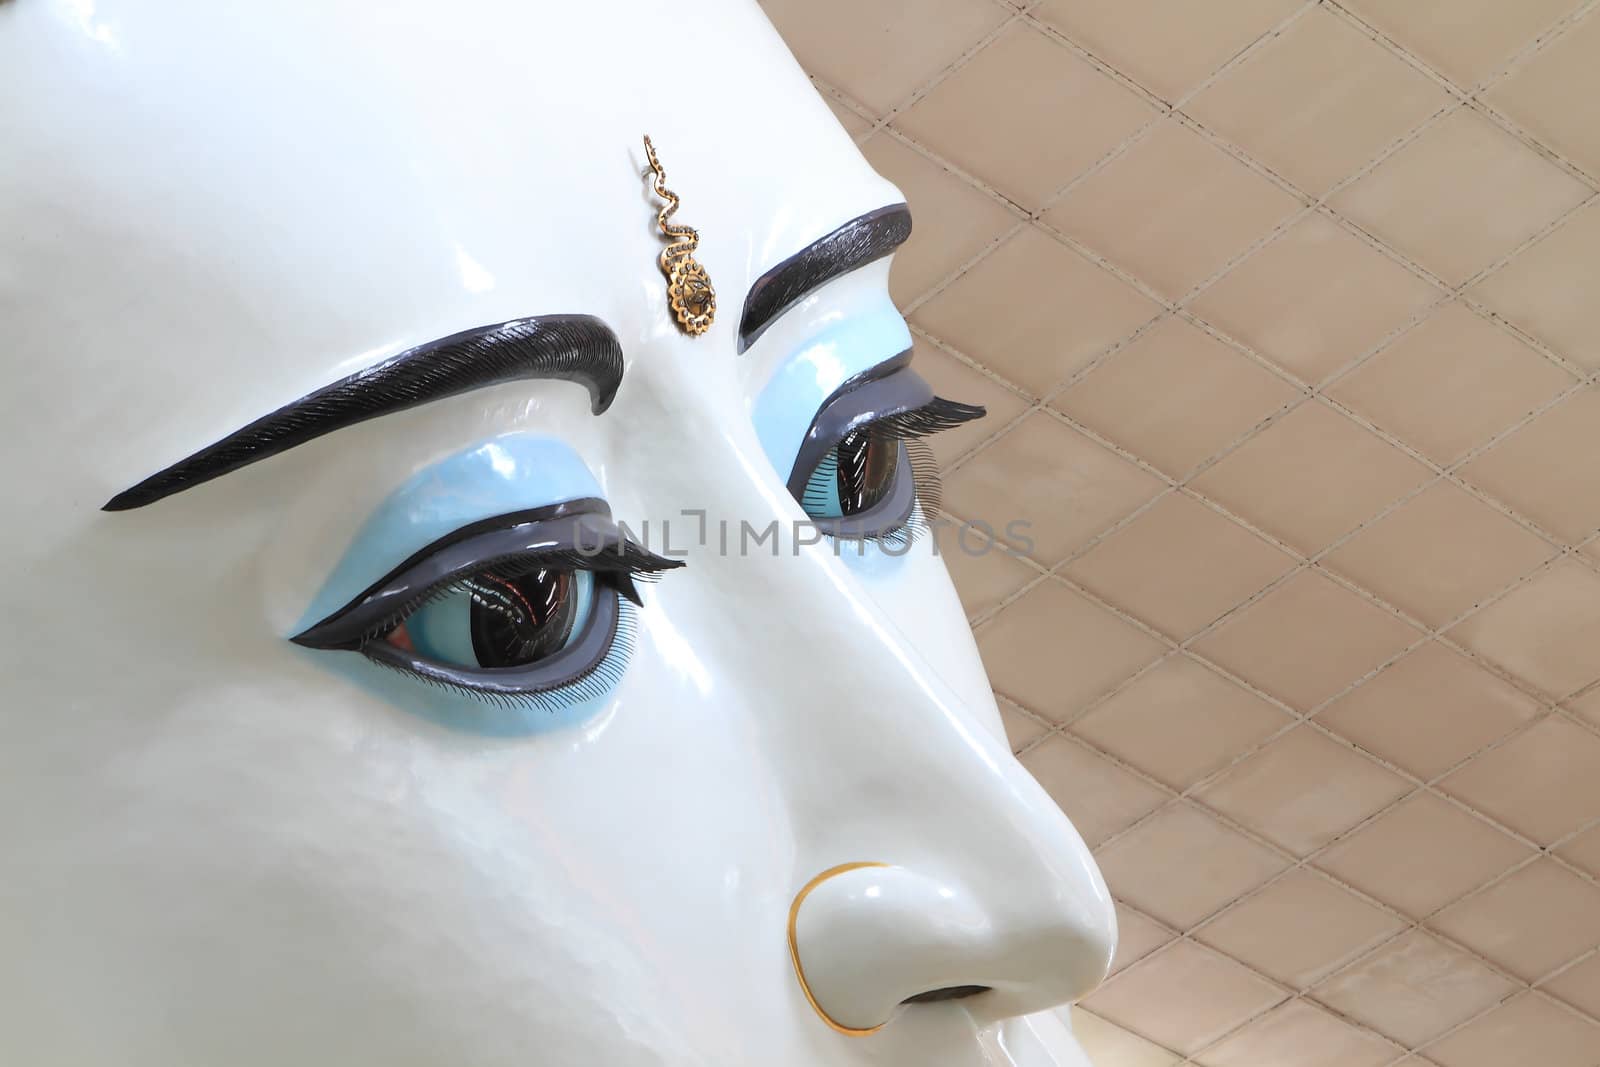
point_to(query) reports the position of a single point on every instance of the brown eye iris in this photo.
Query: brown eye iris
(866, 470)
(516, 621)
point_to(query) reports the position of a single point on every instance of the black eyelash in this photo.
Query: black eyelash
(930, 493)
(936, 416)
(925, 474)
(596, 681)
(618, 566)
(815, 499)
(910, 429)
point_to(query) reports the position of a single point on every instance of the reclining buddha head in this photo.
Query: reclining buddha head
(423, 648)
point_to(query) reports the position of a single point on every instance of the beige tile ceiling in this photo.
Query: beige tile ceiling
(1287, 315)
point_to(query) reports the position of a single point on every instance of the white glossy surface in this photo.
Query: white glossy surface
(217, 851)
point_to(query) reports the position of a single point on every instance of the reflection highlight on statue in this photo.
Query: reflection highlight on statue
(377, 718)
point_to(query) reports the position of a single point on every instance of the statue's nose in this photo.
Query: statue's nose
(928, 865)
(867, 938)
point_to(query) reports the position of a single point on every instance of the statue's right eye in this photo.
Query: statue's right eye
(531, 607)
(495, 620)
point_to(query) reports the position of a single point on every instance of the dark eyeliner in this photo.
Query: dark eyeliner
(576, 535)
(890, 404)
(890, 401)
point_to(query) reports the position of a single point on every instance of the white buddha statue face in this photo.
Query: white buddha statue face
(421, 650)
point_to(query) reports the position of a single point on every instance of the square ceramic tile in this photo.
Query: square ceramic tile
(1539, 93)
(1099, 797)
(1530, 1030)
(1181, 865)
(1465, 40)
(1546, 291)
(1583, 850)
(1053, 651)
(1318, 102)
(1299, 928)
(1314, 299)
(1303, 790)
(1106, 1042)
(1311, 477)
(1578, 985)
(951, 220)
(1172, 209)
(1302, 1035)
(1428, 711)
(1022, 728)
(1137, 937)
(955, 380)
(1034, 311)
(1461, 196)
(1546, 631)
(1000, 115)
(1168, 46)
(1549, 470)
(1047, 489)
(1414, 989)
(1175, 396)
(983, 571)
(1530, 922)
(1306, 640)
(845, 42)
(1180, 722)
(1544, 783)
(1439, 554)
(1451, 383)
(1422, 855)
(1184, 997)
(1178, 565)
(1303, 90)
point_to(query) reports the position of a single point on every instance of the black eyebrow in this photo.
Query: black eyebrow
(573, 348)
(857, 243)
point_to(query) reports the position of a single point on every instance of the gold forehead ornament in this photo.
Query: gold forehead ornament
(689, 292)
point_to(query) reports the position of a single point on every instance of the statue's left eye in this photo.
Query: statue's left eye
(864, 471)
(495, 621)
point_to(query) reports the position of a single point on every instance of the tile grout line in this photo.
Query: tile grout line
(1550, 708)
(1062, 729)
(1304, 863)
(1164, 111)
(1310, 205)
(1302, 561)
(1408, 924)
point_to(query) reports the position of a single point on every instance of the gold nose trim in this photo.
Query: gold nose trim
(794, 947)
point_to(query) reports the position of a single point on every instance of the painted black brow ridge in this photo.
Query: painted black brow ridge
(572, 348)
(855, 244)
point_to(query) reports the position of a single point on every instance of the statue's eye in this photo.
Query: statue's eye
(864, 471)
(495, 620)
(854, 477)
(525, 608)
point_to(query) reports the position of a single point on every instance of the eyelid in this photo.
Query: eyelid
(860, 331)
(892, 397)
(578, 534)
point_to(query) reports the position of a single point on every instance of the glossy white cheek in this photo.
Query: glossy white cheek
(223, 852)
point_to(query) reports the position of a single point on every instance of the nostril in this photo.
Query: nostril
(954, 992)
(866, 939)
